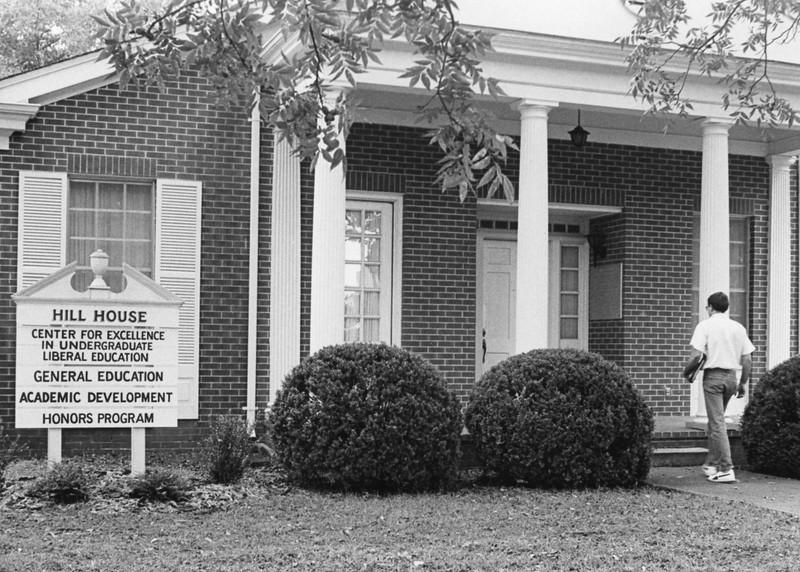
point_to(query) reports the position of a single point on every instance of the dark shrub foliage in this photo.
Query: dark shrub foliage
(10, 451)
(227, 448)
(367, 417)
(159, 485)
(561, 418)
(65, 483)
(771, 422)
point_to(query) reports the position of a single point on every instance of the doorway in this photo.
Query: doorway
(567, 304)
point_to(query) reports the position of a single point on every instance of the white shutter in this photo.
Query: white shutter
(42, 225)
(178, 270)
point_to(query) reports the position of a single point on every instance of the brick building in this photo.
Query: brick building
(611, 247)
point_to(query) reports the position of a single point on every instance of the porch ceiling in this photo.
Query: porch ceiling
(606, 125)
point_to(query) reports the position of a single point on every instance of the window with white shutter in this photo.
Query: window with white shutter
(61, 218)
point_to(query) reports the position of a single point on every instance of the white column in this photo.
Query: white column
(327, 256)
(715, 265)
(532, 248)
(715, 259)
(284, 310)
(780, 262)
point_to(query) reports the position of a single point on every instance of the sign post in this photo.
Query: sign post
(97, 359)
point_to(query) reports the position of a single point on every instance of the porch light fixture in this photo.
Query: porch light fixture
(579, 134)
(597, 245)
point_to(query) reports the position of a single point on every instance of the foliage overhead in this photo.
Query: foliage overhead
(38, 33)
(307, 92)
(734, 43)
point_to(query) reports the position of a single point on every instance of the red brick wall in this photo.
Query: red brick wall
(175, 134)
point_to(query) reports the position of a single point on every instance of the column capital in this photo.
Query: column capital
(780, 162)
(534, 107)
(716, 125)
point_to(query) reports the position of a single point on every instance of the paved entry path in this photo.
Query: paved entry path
(753, 488)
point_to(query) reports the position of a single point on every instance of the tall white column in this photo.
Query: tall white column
(284, 311)
(780, 262)
(327, 255)
(532, 247)
(715, 257)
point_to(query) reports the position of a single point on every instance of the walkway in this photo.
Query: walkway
(756, 489)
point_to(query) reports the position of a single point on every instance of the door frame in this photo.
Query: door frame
(482, 236)
(555, 241)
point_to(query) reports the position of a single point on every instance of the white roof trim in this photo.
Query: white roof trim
(57, 81)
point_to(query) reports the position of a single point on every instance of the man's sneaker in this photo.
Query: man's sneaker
(723, 477)
(709, 470)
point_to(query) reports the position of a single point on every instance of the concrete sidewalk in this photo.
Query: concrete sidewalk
(752, 488)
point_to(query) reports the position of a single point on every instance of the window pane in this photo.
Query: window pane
(138, 226)
(372, 224)
(738, 230)
(111, 196)
(569, 304)
(372, 303)
(372, 249)
(737, 254)
(569, 257)
(352, 249)
(81, 224)
(352, 275)
(353, 222)
(110, 225)
(372, 276)
(738, 301)
(139, 255)
(372, 331)
(81, 194)
(738, 279)
(569, 328)
(139, 198)
(352, 329)
(569, 281)
(352, 303)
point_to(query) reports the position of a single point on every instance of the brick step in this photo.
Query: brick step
(678, 456)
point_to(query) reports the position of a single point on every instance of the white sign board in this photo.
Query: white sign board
(96, 363)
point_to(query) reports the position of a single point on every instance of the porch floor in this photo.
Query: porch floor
(687, 427)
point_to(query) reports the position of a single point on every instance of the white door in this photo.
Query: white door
(568, 322)
(496, 297)
(568, 304)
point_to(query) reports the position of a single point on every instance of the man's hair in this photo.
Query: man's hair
(719, 301)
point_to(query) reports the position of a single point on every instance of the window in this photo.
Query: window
(115, 217)
(368, 272)
(570, 292)
(739, 248)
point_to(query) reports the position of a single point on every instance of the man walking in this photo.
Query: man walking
(728, 350)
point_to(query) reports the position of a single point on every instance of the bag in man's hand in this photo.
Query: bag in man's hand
(690, 371)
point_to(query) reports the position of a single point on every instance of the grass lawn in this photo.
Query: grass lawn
(264, 525)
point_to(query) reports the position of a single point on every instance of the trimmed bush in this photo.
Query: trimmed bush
(227, 448)
(770, 425)
(65, 483)
(561, 418)
(367, 417)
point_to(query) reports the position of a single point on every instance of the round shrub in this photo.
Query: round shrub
(770, 425)
(561, 418)
(367, 417)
